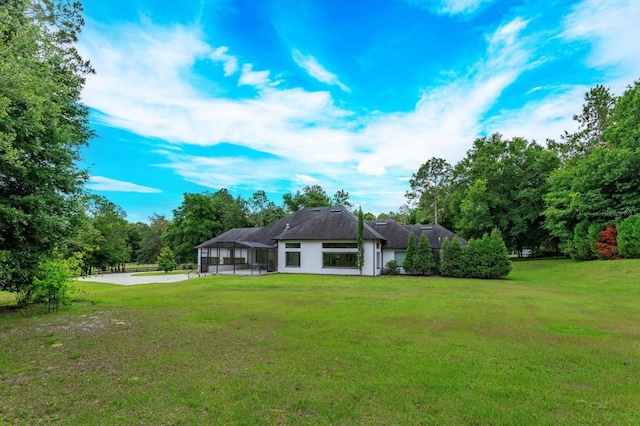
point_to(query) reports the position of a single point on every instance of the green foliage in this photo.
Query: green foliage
(110, 222)
(51, 284)
(311, 196)
(452, 259)
(629, 237)
(596, 115)
(429, 186)
(585, 237)
(408, 264)
(43, 126)
(360, 241)
(624, 125)
(486, 257)
(599, 185)
(424, 263)
(501, 184)
(166, 260)
(151, 242)
(201, 217)
(391, 268)
(261, 211)
(341, 198)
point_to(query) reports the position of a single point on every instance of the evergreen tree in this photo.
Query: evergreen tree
(424, 260)
(166, 260)
(452, 258)
(410, 255)
(360, 260)
(629, 237)
(500, 263)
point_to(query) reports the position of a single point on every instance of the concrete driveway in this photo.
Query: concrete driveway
(128, 278)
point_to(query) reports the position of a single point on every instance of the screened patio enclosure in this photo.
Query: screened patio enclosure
(230, 256)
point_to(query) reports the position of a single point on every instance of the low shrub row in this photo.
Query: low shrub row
(485, 257)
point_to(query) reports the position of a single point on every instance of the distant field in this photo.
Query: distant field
(558, 342)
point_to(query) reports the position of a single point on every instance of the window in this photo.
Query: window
(292, 259)
(399, 256)
(339, 245)
(291, 245)
(339, 260)
(378, 260)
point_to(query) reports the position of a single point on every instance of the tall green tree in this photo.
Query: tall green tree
(43, 126)
(596, 114)
(429, 185)
(261, 211)
(151, 238)
(201, 217)
(110, 221)
(424, 260)
(341, 198)
(310, 196)
(624, 125)
(601, 186)
(408, 264)
(502, 183)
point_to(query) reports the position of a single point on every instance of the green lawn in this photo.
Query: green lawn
(558, 342)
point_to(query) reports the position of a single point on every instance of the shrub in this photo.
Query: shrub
(166, 260)
(585, 237)
(51, 284)
(500, 265)
(391, 268)
(485, 257)
(452, 258)
(629, 237)
(424, 261)
(608, 246)
(410, 255)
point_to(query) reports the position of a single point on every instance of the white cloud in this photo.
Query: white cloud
(230, 63)
(101, 183)
(316, 70)
(613, 29)
(253, 78)
(143, 85)
(305, 179)
(449, 7)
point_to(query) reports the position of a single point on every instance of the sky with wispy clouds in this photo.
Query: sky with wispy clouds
(193, 96)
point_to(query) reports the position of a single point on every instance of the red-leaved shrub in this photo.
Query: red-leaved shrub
(608, 244)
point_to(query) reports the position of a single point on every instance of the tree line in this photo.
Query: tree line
(566, 197)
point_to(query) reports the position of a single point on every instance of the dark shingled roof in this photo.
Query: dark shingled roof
(324, 223)
(436, 234)
(314, 223)
(395, 234)
(235, 235)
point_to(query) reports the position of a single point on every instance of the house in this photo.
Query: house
(316, 240)
(397, 236)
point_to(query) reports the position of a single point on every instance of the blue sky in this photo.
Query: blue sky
(190, 96)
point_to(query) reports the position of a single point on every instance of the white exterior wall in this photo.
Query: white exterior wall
(389, 254)
(311, 258)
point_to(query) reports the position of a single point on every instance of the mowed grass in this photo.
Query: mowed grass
(558, 342)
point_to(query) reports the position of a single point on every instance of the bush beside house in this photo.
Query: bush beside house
(485, 257)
